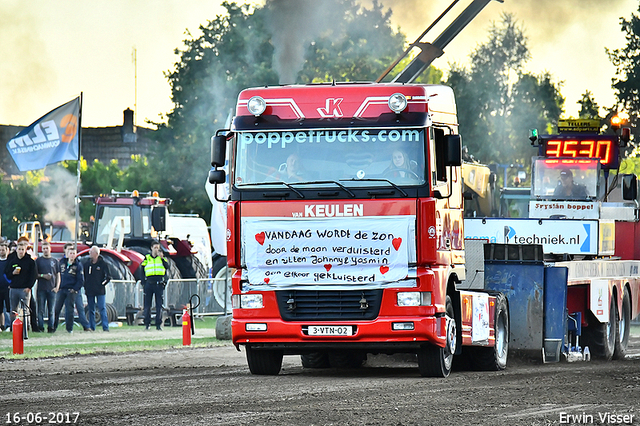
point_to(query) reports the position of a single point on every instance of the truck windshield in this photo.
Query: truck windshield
(565, 179)
(348, 155)
(112, 221)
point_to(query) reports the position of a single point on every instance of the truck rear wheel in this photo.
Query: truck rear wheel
(624, 327)
(264, 362)
(346, 359)
(434, 361)
(601, 337)
(495, 358)
(315, 360)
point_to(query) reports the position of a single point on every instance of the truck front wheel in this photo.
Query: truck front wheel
(434, 361)
(624, 327)
(264, 362)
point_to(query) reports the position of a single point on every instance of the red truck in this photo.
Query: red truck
(345, 229)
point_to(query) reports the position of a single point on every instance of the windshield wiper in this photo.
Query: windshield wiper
(319, 182)
(377, 180)
(298, 193)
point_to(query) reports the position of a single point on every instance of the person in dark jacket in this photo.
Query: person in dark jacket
(96, 277)
(21, 270)
(71, 282)
(155, 270)
(48, 272)
(5, 304)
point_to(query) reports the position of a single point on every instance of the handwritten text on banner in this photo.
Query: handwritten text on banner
(337, 251)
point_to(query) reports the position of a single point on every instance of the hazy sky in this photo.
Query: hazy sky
(52, 50)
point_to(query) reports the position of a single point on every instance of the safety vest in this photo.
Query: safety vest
(153, 266)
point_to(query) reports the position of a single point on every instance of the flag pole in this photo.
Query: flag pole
(75, 238)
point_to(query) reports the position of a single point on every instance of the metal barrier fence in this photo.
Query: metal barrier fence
(215, 296)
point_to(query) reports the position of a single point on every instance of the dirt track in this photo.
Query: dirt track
(209, 386)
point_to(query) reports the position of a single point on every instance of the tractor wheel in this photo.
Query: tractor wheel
(624, 327)
(219, 271)
(264, 362)
(190, 267)
(434, 361)
(223, 327)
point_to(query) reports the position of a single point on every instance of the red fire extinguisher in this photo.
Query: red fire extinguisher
(186, 328)
(18, 338)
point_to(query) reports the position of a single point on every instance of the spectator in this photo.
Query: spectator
(5, 304)
(21, 270)
(48, 273)
(155, 270)
(71, 282)
(96, 277)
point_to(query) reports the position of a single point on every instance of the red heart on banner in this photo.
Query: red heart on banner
(396, 243)
(260, 238)
(266, 280)
(384, 269)
(327, 267)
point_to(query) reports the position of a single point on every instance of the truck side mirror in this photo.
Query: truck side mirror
(453, 150)
(159, 218)
(218, 150)
(217, 176)
(629, 187)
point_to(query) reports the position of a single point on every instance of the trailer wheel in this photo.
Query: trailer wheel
(315, 360)
(601, 338)
(495, 358)
(264, 362)
(624, 327)
(346, 359)
(434, 361)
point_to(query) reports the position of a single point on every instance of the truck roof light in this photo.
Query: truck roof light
(256, 105)
(397, 102)
(135, 193)
(155, 194)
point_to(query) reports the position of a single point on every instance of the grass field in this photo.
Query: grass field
(119, 339)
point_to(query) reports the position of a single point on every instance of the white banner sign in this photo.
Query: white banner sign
(480, 321)
(569, 209)
(556, 236)
(335, 251)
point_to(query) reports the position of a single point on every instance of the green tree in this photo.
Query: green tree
(236, 51)
(19, 203)
(626, 82)
(588, 106)
(498, 101)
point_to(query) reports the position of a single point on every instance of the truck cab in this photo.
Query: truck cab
(344, 225)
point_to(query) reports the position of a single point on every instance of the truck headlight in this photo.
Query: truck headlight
(414, 298)
(397, 102)
(251, 301)
(256, 105)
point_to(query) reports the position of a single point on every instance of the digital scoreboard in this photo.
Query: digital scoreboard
(577, 145)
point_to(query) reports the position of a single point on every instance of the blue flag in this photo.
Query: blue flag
(51, 139)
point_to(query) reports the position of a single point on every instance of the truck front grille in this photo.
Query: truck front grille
(329, 305)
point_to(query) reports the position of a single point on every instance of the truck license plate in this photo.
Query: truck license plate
(330, 330)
